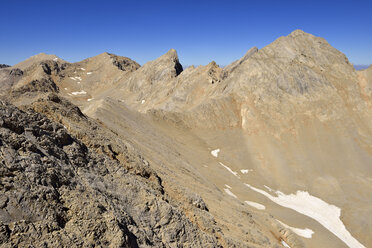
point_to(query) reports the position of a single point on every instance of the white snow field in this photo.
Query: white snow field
(326, 214)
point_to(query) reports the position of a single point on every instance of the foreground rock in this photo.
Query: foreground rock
(56, 192)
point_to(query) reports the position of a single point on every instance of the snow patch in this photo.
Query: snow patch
(78, 93)
(55, 59)
(82, 69)
(76, 78)
(230, 193)
(65, 88)
(88, 73)
(227, 186)
(306, 233)
(245, 171)
(285, 244)
(89, 99)
(143, 101)
(326, 214)
(215, 152)
(230, 170)
(255, 205)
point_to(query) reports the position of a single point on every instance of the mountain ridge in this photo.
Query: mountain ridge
(294, 116)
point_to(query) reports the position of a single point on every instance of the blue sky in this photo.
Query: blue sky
(200, 31)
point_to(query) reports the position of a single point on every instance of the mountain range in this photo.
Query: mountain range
(273, 150)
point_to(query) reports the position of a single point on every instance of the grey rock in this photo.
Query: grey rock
(55, 190)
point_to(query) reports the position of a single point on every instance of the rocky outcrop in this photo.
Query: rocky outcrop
(54, 191)
(124, 63)
(4, 66)
(155, 72)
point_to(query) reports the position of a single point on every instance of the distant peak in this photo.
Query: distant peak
(172, 53)
(172, 56)
(213, 63)
(297, 32)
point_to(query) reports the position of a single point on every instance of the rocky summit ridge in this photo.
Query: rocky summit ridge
(273, 150)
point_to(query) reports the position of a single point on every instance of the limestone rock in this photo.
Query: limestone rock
(47, 176)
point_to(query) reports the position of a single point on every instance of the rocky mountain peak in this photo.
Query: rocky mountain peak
(166, 66)
(298, 32)
(36, 59)
(212, 64)
(172, 53)
(171, 57)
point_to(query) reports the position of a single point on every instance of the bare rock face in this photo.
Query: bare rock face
(155, 72)
(54, 191)
(9, 78)
(231, 67)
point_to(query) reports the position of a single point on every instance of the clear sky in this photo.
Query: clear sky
(200, 31)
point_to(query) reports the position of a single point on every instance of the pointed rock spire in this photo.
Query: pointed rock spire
(171, 57)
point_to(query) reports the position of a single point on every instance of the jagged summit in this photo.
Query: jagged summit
(171, 57)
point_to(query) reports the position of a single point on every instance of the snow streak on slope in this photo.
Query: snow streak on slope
(79, 93)
(306, 233)
(255, 205)
(285, 244)
(230, 170)
(315, 208)
(230, 193)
